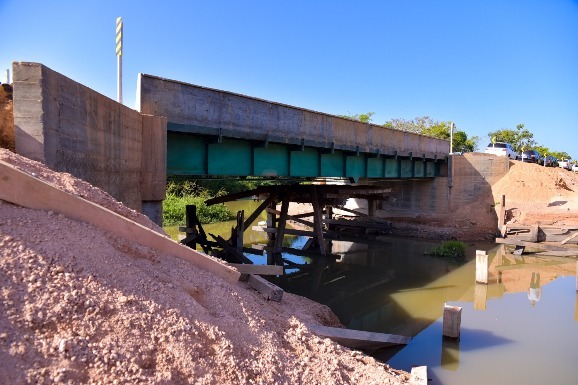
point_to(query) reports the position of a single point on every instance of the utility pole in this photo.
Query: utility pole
(451, 138)
(119, 59)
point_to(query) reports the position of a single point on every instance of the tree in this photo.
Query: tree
(518, 138)
(560, 155)
(428, 126)
(363, 118)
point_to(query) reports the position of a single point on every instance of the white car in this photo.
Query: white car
(575, 167)
(502, 149)
(565, 163)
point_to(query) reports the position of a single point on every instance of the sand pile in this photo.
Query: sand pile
(539, 195)
(79, 305)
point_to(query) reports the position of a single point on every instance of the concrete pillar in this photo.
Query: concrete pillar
(452, 321)
(481, 266)
(153, 210)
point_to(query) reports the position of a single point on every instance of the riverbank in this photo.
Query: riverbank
(82, 305)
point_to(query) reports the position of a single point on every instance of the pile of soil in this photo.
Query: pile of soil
(539, 195)
(81, 305)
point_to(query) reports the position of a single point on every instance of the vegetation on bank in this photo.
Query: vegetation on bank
(181, 193)
(450, 249)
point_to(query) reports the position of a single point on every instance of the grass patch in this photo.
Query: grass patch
(449, 249)
(181, 194)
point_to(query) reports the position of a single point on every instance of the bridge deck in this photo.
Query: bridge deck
(214, 132)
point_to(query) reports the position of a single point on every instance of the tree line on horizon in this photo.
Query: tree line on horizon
(520, 138)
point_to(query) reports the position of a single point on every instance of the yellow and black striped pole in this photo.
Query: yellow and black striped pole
(119, 58)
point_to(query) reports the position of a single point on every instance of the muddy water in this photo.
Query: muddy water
(520, 328)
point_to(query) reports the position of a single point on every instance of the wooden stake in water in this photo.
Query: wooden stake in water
(452, 322)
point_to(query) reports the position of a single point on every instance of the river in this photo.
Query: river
(520, 328)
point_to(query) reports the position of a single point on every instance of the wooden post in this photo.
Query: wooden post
(318, 220)
(452, 321)
(271, 220)
(240, 229)
(502, 216)
(190, 222)
(481, 266)
(534, 230)
(371, 207)
(282, 224)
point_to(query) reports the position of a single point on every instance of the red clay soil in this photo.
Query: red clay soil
(79, 305)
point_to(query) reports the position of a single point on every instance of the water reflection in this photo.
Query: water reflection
(520, 327)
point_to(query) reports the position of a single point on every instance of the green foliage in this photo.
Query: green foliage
(520, 138)
(560, 155)
(363, 118)
(462, 143)
(428, 126)
(181, 194)
(449, 249)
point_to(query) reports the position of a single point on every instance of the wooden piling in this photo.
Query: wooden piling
(502, 216)
(452, 321)
(482, 266)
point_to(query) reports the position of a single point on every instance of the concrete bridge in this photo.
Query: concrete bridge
(189, 130)
(214, 132)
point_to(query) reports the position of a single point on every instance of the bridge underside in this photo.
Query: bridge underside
(208, 155)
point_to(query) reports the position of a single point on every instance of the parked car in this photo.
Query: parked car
(502, 149)
(550, 161)
(532, 156)
(575, 167)
(565, 163)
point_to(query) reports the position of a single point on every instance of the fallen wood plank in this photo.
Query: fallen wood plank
(359, 339)
(516, 242)
(569, 238)
(527, 265)
(244, 268)
(25, 190)
(356, 223)
(561, 253)
(291, 217)
(266, 288)
(231, 250)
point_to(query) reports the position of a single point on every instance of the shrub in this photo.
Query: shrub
(181, 194)
(449, 249)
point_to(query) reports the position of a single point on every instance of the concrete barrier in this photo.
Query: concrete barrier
(72, 128)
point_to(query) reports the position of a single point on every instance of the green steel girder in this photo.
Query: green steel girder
(209, 155)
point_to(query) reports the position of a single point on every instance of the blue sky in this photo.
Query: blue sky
(485, 65)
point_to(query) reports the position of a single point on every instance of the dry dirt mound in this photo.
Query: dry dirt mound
(539, 195)
(72, 185)
(79, 305)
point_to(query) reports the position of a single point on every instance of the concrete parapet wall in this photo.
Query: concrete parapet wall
(473, 175)
(72, 128)
(224, 113)
(470, 178)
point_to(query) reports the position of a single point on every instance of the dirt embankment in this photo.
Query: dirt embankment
(80, 305)
(534, 195)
